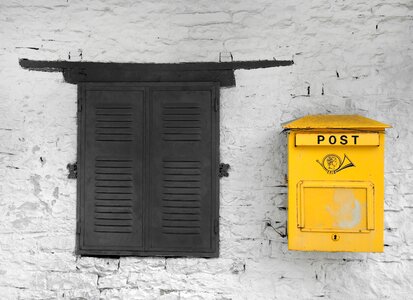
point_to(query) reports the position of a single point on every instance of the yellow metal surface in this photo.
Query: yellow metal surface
(335, 122)
(336, 194)
(348, 206)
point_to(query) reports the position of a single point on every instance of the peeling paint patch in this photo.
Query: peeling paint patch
(34, 179)
(56, 192)
(35, 149)
(29, 206)
(21, 223)
(348, 210)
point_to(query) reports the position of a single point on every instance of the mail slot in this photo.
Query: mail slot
(335, 183)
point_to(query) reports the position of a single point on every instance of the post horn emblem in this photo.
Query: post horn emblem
(332, 163)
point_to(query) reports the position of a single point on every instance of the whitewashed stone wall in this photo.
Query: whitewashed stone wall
(353, 57)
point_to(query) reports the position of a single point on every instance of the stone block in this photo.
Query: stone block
(58, 281)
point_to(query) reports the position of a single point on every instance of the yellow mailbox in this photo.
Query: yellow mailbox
(335, 183)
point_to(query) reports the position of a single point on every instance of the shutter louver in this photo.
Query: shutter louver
(113, 155)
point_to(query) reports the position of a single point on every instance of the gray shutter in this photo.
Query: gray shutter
(111, 168)
(183, 177)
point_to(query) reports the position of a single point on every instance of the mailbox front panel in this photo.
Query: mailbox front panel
(335, 206)
(335, 190)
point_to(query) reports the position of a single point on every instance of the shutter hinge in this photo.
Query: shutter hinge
(72, 170)
(216, 226)
(79, 108)
(223, 170)
(216, 103)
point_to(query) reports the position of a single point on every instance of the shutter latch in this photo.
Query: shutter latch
(72, 170)
(223, 170)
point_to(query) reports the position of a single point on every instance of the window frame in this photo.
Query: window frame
(81, 136)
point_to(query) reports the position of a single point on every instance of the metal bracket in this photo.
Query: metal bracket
(72, 170)
(223, 170)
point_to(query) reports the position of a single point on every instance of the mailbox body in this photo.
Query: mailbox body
(335, 183)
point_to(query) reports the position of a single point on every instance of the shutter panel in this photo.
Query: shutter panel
(111, 168)
(183, 179)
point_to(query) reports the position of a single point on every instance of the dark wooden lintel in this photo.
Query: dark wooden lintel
(75, 72)
(225, 77)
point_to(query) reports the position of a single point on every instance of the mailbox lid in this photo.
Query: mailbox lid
(335, 122)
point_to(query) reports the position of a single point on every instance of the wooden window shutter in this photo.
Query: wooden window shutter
(148, 157)
(111, 168)
(183, 184)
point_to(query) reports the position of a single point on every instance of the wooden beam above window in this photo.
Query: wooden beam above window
(222, 72)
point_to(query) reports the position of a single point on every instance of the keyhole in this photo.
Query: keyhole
(335, 237)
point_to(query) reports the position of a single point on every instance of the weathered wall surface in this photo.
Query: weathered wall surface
(350, 57)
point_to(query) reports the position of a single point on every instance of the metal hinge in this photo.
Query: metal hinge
(72, 170)
(223, 170)
(216, 226)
